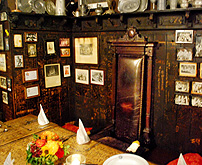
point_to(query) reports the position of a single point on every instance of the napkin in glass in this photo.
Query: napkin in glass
(181, 160)
(82, 136)
(42, 119)
(8, 160)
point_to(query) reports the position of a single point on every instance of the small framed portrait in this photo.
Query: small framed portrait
(18, 40)
(31, 50)
(182, 99)
(3, 62)
(66, 70)
(30, 36)
(7, 47)
(18, 60)
(97, 77)
(4, 16)
(3, 83)
(196, 87)
(50, 48)
(30, 75)
(64, 42)
(187, 69)
(184, 54)
(5, 97)
(1, 37)
(82, 76)
(182, 86)
(196, 101)
(184, 36)
(9, 84)
(65, 52)
(32, 91)
(198, 47)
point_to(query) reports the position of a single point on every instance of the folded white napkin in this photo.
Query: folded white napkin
(82, 136)
(181, 160)
(42, 119)
(8, 160)
(133, 147)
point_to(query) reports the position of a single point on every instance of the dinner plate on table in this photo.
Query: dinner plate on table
(125, 159)
(25, 6)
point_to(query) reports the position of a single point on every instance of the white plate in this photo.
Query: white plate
(38, 6)
(128, 6)
(125, 159)
(143, 5)
(25, 6)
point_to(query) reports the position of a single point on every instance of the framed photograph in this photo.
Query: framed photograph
(9, 84)
(64, 42)
(97, 77)
(82, 76)
(196, 88)
(18, 40)
(196, 101)
(3, 62)
(30, 75)
(184, 36)
(30, 36)
(31, 50)
(182, 99)
(184, 54)
(18, 60)
(86, 50)
(3, 83)
(1, 37)
(52, 75)
(182, 86)
(5, 97)
(65, 52)
(66, 70)
(50, 49)
(7, 47)
(198, 47)
(32, 91)
(187, 69)
(4, 16)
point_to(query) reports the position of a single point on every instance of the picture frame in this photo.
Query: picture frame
(198, 46)
(5, 97)
(184, 54)
(1, 37)
(32, 91)
(97, 77)
(50, 49)
(196, 87)
(184, 36)
(31, 50)
(3, 62)
(52, 75)
(30, 36)
(187, 69)
(182, 86)
(17, 40)
(196, 101)
(65, 52)
(64, 42)
(9, 84)
(3, 82)
(66, 71)
(182, 99)
(86, 50)
(6, 40)
(82, 76)
(18, 61)
(30, 75)
(4, 16)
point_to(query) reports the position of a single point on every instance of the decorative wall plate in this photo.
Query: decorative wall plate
(128, 6)
(143, 5)
(50, 7)
(38, 6)
(25, 6)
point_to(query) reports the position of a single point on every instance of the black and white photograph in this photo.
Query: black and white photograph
(196, 87)
(187, 69)
(182, 99)
(3, 62)
(1, 37)
(184, 54)
(31, 50)
(198, 47)
(184, 36)
(5, 97)
(18, 59)
(97, 77)
(30, 37)
(82, 76)
(3, 83)
(196, 101)
(182, 86)
(4, 16)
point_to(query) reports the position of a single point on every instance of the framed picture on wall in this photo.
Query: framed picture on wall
(32, 91)
(7, 47)
(18, 60)
(1, 37)
(65, 52)
(86, 50)
(82, 76)
(184, 54)
(66, 71)
(3, 83)
(182, 99)
(4, 16)
(31, 50)
(52, 75)
(5, 97)
(182, 86)
(196, 87)
(198, 47)
(18, 40)
(30, 36)
(50, 49)
(187, 69)
(196, 101)
(3, 62)
(30, 75)
(64, 42)
(184, 36)
(97, 77)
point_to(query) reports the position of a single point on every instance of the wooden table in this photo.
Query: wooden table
(20, 132)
